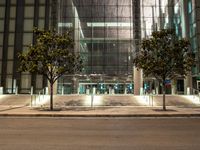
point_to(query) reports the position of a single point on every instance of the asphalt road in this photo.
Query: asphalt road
(99, 133)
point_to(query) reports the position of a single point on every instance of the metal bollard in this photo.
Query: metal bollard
(39, 96)
(16, 90)
(62, 90)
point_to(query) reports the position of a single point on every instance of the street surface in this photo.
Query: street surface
(99, 133)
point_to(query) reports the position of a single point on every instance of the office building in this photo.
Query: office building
(107, 34)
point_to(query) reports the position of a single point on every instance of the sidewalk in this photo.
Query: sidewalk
(106, 111)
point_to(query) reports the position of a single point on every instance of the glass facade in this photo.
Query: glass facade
(181, 16)
(107, 34)
(103, 34)
(160, 14)
(193, 34)
(192, 30)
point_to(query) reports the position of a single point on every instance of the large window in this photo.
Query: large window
(103, 33)
(156, 14)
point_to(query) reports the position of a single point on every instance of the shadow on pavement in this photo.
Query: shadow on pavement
(11, 108)
(71, 108)
(161, 110)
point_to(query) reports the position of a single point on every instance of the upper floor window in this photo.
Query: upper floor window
(189, 6)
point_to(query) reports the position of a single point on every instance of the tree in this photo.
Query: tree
(164, 56)
(52, 55)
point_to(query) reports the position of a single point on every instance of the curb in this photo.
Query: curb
(102, 115)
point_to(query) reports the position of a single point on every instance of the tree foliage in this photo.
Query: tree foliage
(52, 55)
(164, 56)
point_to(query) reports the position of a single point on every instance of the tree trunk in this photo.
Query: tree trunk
(51, 96)
(164, 91)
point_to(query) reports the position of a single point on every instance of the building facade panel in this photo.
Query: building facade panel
(17, 19)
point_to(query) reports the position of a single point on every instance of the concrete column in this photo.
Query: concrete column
(138, 81)
(62, 90)
(157, 87)
(87, 91)
(188, 85)
(185, 24)
(94, 90)
(75, 86)
(110, 90)
(76, 31)
(173, 85)
(46, 90)
(1, 90)
(125, 90)
(184, 17)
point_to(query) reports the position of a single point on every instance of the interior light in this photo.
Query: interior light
(62, 24)
(109, 24)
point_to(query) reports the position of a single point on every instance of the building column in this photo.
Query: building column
(188, 85)
(157, 85)
(173, 86)
(188, 79)
(75, 86)
(138, 82)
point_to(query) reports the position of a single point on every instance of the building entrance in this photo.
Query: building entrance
(64, 88)
(105, 88)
